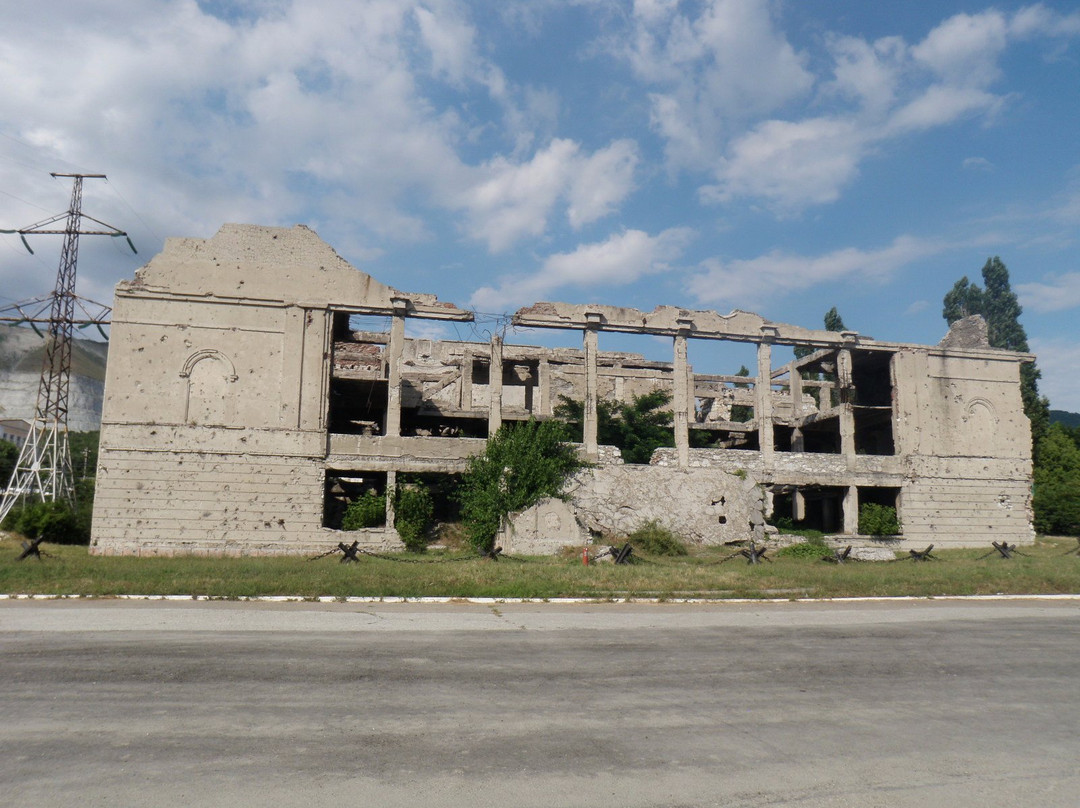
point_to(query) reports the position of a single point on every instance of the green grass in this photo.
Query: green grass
(1047, 569)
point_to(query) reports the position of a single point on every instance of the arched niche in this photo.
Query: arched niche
(209, 399)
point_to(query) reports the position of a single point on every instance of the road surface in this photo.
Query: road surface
(910, 703)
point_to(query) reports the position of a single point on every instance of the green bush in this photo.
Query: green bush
(54, 522)
(878, 520)
(522, 464)
(413, 514)
(366, 511)
(652, 538)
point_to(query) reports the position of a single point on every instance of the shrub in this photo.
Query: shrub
(878, 520)
(366, 511)
(54, 522)
(652, 538)
(522, 464)
(413, 512)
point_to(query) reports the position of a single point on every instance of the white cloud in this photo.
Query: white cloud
(622, 259)
(1058, 358)
(721, 77)
(716, 71)
(601, 182)
(1057, 293)
(511, 200)
(964, 50)
(749, 282)
(791, 163)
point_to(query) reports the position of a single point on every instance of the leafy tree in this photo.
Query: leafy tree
(833, 320)
(963, 300)
(522, 464)
(644, 425)
(637, 427)
(1056, 500)
(414, 512)
(1001, 309)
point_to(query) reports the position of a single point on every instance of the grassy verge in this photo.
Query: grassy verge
(1048, 568)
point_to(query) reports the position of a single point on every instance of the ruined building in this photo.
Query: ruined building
(251, 393)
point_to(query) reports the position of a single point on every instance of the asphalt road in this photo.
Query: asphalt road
(942, 703)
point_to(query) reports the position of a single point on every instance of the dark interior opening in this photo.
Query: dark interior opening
(357, 406)
(345, 487)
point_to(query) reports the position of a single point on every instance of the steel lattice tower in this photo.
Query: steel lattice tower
(44, 464)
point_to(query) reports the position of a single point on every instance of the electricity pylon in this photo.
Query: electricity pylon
(44, 464)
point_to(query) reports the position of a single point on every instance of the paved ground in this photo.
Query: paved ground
(902, 704)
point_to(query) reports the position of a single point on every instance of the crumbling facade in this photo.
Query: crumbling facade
(257, 383)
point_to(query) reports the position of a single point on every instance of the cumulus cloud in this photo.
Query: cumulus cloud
(714, 71)
(723, 77)
(516, 199)
(749, 282)
(622, 259)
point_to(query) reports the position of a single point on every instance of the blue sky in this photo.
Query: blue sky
(779, 157)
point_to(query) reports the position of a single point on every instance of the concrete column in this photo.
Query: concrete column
(495, 386)
(679, 402)
(591, 344)
(851, 510)
(847, 415)
(544, 387)
(795, 379)
(394, 351)
(466, 380)
(798, 443)
(798, 505)
(763, 404)
(391, 490)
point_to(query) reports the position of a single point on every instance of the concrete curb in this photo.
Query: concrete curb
(466, 600)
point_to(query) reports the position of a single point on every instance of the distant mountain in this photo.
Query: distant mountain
(1065, 417)
(22, 352)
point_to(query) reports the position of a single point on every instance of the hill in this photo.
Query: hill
(1065, 417)
(22, 351)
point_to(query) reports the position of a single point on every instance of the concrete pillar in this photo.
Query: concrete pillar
(763, 404)
(495, 385)
(798, 505)
(847, 415)
(391, 490)
(394, 351)
(851, 510)
(795, 379)
(679, 402)
(466, 380)
(544, 387)
(591, 345)
(798, 443)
